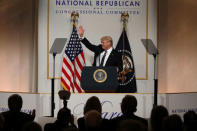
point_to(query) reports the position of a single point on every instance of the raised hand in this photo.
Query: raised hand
(33, 113)
(81, 31)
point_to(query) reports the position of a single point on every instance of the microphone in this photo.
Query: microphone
(64, 95)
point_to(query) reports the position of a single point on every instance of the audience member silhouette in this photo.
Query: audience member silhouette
(1, 122)
(172, 123)
(31, 126)
(14, 118)
(190, 121)
(158, 114)
(93, 103)
(131, 125)
(93, 120)
(128, 108)
(64, 120)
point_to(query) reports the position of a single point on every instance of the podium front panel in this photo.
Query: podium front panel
(99, 79)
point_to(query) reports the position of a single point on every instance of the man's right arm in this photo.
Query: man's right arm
(90, 46)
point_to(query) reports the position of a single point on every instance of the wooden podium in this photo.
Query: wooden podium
(99, 79)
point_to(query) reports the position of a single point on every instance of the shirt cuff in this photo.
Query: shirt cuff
(81, 38)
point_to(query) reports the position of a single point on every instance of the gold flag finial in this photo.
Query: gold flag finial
(74, 17)
(124, 19)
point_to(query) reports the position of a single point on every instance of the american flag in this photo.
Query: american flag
(73, 63)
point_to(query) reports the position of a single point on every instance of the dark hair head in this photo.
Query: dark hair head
(129, 105)
(189, 117)
(190, 120)
(158, 113)
(32, 126)
(172, 123)
(15, 102)
(64, 115)
(93, 103)
(131, 125)
(92, 119)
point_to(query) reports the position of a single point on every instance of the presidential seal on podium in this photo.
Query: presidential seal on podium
(100, 75)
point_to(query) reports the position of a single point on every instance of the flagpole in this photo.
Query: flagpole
(124, 19)
(74, 18)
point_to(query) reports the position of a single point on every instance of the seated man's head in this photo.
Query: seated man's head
(190, 120)
(107, 42)
(172, 123)
(129, 105)
(92, 119)
(93, 103)
(64, 115)
(15, 102)
(158, 114)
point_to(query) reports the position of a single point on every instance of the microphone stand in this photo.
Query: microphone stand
(52, 88)
(152, 50)
(155, 80)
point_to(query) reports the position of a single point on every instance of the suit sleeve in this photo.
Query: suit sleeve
(93, 48)
(117, 60)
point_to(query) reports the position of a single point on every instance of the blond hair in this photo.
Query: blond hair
(107, 38)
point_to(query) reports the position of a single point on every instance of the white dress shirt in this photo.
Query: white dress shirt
(99, 57)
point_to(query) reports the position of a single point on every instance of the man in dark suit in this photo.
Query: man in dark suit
(105, 55)
(128, 108)
(14, 118)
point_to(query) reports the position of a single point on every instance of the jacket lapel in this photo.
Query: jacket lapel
(109, 60)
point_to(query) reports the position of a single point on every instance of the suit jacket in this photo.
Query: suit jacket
(114, 58)
(116, 121)
(14, 121)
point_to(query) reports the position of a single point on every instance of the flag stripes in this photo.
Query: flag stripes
(73, 63)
